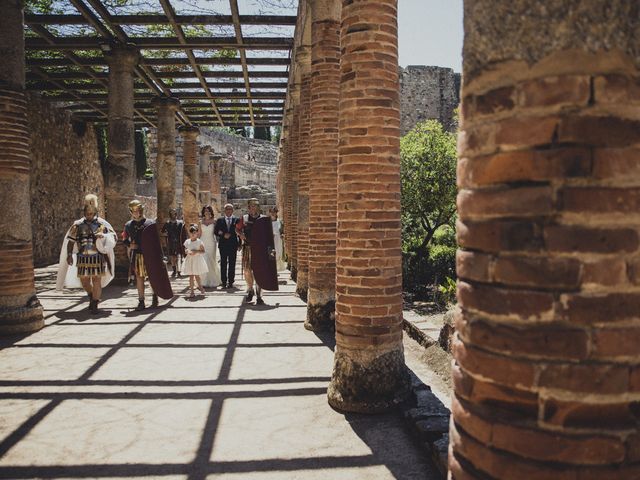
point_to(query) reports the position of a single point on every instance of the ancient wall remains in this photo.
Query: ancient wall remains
(65, 166)
(254, 160)
(428, 93)
(243, 161)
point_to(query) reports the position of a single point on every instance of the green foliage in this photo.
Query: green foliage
(428, 172)
(447, 292)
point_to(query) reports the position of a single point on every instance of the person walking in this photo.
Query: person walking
(194, 264)
(225, 230)
(210, 279)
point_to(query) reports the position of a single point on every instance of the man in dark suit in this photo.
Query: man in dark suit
(225, 230)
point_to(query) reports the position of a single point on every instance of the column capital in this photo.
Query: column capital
(120, 55)
(189, 131)
(205, 149)
(322, 10)
(166, 102)
(303, 59)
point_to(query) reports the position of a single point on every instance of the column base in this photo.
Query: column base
(321, 317)
(366, 382)
(17, 320)
(302, 285)
(294, 273)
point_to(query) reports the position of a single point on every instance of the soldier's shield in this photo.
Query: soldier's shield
(263, 254)
(156, 269)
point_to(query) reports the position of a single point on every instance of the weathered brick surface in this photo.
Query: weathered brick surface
(369, 373)
(20, 310)
(325, 93)
(546, 347)
(304, 154)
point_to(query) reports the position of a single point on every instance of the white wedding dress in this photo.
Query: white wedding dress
(212, 277)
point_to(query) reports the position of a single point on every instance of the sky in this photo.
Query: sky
(430, 33)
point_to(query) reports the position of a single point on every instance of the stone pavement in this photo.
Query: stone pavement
(199, 388)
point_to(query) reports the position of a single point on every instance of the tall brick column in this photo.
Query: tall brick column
(303, 59)
(20, 310)
(204, 192)
(547, 360)
(325, 95)
(285, 173)
(120, 174)
(191, 175)
(294, 179)
(369, 371)
(166, 159)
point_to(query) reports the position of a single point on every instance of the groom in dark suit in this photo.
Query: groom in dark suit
(225, 230)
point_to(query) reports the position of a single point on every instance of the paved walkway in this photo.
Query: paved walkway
(199, 388)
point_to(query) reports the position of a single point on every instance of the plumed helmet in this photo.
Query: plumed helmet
(90, 203)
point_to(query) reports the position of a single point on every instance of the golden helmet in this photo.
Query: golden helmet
(90, 204)
(136, 205)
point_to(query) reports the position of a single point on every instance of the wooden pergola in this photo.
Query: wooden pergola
(201, 71)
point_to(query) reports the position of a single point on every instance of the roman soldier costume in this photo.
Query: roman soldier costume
(90, 242)
(243, 228)
(175, 231)
(132, 238)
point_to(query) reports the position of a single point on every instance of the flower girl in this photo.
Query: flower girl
(194, 265)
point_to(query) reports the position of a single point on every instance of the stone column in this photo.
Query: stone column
(325, 95)
(20, 310)
(191, 175)
(546, 372)
(216, 192)
(205, 176)
(369, 371)
(120, 174)
(303, 59)
(166, 159)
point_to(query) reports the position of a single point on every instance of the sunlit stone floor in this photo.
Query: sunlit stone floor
(199, 388)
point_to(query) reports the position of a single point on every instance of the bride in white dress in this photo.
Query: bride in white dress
(212, 277)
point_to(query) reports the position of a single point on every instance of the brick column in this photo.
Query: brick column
(20, 310)
(369, 371)
(120, 173)
(166, 158)
(325, 95)
(303, 59)
(285, 215)
(204, 192)
(293, 180)
(191, 175)
(546, 373)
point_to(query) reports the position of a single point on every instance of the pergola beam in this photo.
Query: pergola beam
(243, 57)
(169, 62)
(56, 85)
(160, 74)
(144, 74)
(284, 20)
(171, 14)
(164, 43)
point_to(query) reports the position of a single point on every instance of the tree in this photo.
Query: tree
(428, 173)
